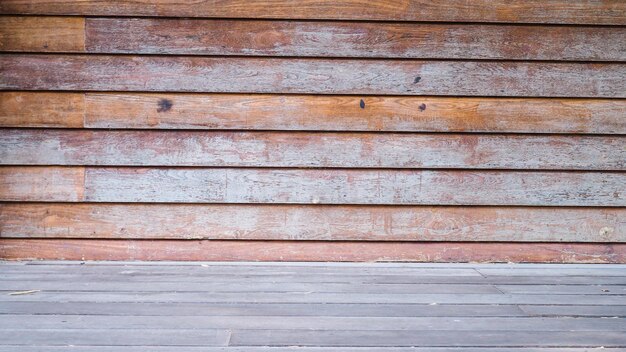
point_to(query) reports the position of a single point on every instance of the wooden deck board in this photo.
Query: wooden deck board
(268, 307)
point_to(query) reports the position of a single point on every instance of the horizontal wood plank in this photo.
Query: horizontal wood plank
(75, 249)
(271, 222)
(42, 34)
(42, 109)
(285, 309)
(353, 187)
(311, 39)
(609, 12)
(312, 186)
(318, 76)
(311, 113)
(314, 323)
(354, 39)
(46, 184)
(284, 149)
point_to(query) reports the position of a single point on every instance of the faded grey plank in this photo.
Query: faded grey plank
(333, 150)
(114, 337)
(288, 349)
(565, 289)
(354, 278)
(582, 311)
(244, 286)
(311, 323)
(262, 309)
(314, 297)
(427, 338)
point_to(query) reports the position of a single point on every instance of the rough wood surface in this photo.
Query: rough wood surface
(610, 12)
(271, 222)
(341, 186)
(311, 186)
(24, 109)
(318, 76)
(311, 112)
(353, 39)
(327, 150)
(203, 250)
(42, 34)
(41, 184)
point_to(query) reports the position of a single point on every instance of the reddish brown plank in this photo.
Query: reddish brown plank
(288, 149)
(611, 12)
(353, 39)
(42, 184)
(318, 76)
(344, 113)
(69, 249)
(312, 112)
(42, 34)
(26, 109)
(333, 223)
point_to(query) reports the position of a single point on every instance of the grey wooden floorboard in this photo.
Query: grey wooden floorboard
(115, 337)
(263, 309)
(313, 297)
(296, 349)
(312, 323)
(263, 306)
(338, 278)
(428, 338)
(245, 286)
(575, 311)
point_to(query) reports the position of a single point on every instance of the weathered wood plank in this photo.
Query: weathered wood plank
(265, 309)
(25, 109)
(311, 297)
(284, 149)
(307, 277)
(69, 249)
(278, 222)
(115, 337)
(610, 12)
(426, 338)
(212, 321)
(244, 287)
(42, 184)
(319, 76)
(341, 186)
(311, 112)
(42, 34)
(575, 311)
(564, 289)
(46, 348)
(353, 39)
(344, 113)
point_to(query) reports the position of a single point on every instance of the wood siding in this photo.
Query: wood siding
(268, 130)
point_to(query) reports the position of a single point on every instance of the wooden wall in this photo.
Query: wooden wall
(400, 130)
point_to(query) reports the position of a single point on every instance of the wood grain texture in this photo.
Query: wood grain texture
(341, 186)
(314, 186)
(311, 113)
(72, 249)
(319, 76)
(25, 109)
(328, 150)
(41, 184)
(609, 12)
(344, 113)
(353, 39)
(42, 34)
(328, 223)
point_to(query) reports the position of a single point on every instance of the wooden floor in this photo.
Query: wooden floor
(113, 306)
